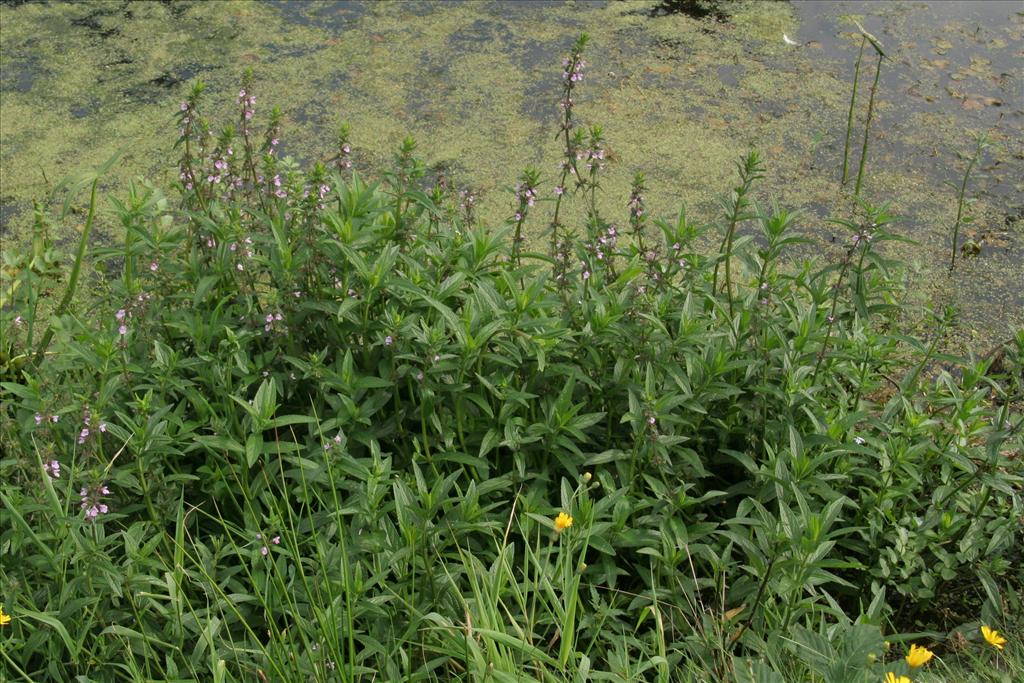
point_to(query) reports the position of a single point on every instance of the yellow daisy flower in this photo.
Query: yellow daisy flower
(918, 656)
(562, 522)
(893, 678)
(4, 618)
(993, 638)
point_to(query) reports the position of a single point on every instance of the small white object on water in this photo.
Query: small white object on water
(788, 41)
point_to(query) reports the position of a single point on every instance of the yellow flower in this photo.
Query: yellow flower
(893, 678)
(562, 522)
(4, 618)
(993, 638)
(918, 656)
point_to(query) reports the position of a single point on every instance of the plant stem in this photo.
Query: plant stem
(867, 128)
(832, 312)
(69, 294)
(749, 171)
(960, 201)
(849, 116)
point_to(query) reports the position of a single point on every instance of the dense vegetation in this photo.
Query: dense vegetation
(312, 427)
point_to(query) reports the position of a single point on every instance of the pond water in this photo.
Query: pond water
(682, 87)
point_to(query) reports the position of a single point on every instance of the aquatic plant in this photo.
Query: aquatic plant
(853, 101)
(871, 109)
(981, 143)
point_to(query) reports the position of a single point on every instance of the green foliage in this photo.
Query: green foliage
(317, 427)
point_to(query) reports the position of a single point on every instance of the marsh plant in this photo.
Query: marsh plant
(981, 143)
(320, 425)
(866, 38)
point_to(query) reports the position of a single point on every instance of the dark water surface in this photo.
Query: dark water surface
(682, 88)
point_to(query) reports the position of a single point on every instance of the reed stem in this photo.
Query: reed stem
(982, 142)
(867, 127)
(849, 116)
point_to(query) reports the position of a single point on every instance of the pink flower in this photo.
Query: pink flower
(92, 501)
(52, 468)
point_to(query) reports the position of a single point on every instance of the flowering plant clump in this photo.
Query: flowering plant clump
(335, 407)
